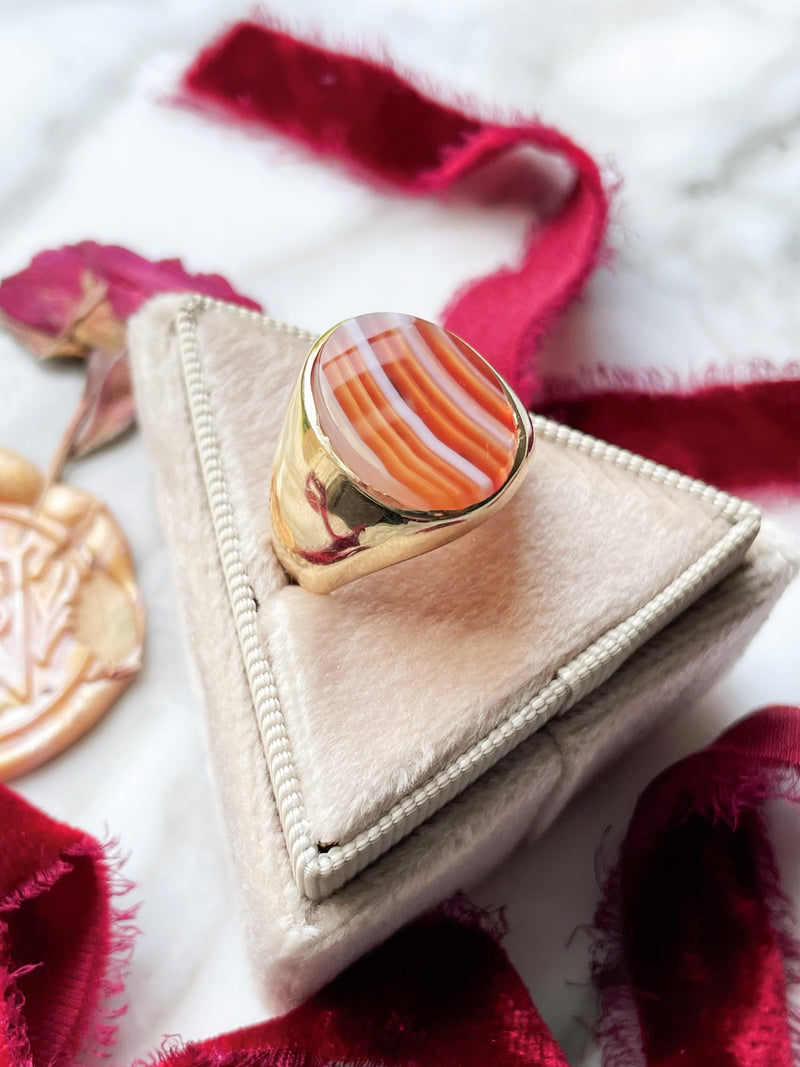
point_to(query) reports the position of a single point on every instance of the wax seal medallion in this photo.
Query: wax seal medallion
(71, 619)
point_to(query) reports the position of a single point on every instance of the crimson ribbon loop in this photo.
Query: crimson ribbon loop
(734, 435)
(390, 133)
(731, 434)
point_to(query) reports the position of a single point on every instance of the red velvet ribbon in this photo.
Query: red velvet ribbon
(63, 940)
(696, 943)
(742, 436)
(694, 958)
(386, 131)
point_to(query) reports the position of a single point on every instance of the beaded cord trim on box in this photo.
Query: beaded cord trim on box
(319, 873)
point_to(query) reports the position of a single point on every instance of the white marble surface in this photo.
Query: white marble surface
(693, 104)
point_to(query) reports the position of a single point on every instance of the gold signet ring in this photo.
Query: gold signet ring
(398, 438)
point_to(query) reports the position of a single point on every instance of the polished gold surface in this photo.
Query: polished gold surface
(330, 527)
(71, 619)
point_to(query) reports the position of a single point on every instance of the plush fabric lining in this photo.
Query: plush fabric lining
(387, 679)
(297, 945)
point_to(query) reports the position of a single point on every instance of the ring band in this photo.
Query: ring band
(398, 438)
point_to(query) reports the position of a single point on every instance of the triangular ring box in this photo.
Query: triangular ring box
(378, 748)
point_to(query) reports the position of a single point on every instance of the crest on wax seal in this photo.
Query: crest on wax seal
(71, 620)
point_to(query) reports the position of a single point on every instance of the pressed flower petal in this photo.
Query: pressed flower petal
(75, 301)
(107, 401)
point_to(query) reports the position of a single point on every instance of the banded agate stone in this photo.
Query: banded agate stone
(420, 419)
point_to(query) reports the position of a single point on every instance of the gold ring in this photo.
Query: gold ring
(398, 438)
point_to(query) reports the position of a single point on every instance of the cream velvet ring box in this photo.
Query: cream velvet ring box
(381, 747)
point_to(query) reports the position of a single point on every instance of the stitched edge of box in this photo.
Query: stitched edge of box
(319, 874)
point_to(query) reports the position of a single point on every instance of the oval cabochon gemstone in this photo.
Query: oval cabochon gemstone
(415, 414)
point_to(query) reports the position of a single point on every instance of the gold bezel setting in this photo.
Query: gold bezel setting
(330, 528)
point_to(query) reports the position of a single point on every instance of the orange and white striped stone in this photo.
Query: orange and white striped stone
(415, 414)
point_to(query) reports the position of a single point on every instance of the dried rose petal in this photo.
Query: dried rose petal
(107, 402)
(75, 301)
(131, 279)
(72, 299)
(41, 303)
